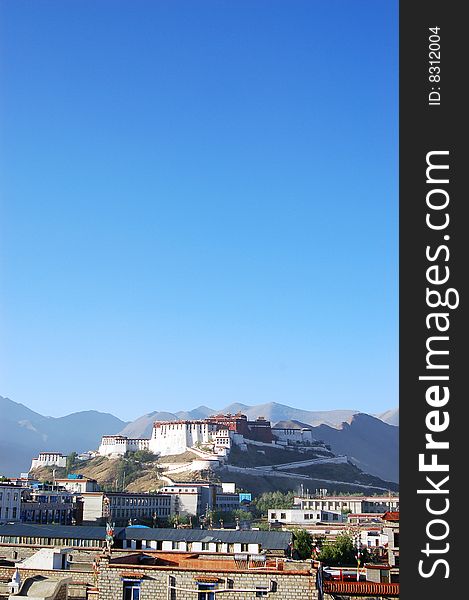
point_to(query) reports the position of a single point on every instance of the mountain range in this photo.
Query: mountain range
(24, 433)
(272, 411)
(371, 442)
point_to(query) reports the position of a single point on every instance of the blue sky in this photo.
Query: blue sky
(199, 204)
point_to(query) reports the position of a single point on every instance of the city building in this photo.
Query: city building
(354, 504)
(53, 505)
(304, 517)
(227, 541)
(181, 576)
(10, 503)
(19, 536)
(78, 484)
(391, 529)
(24, 480)
(195, 499)
(48, 459)
(124, 507)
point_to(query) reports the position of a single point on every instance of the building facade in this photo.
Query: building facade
(290, 437)
(195, 499)
(216, 434)
(184, 576)
(124, 507)
(304, 517)
(51, 506)
(78, 484)
(48, 459)
(117, 445)
(354, 504)
(10, 503)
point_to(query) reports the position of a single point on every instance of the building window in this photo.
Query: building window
(261, 592)
(131, 590)
(204, 591)
(283, 515)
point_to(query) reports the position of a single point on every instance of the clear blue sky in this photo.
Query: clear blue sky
(199, 204)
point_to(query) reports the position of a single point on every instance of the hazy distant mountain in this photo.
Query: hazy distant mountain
(369, 442)
(201, 412)
(274, 412)
(142, 427)
(234, 408)
(24, 433)
(292, 424)
(391, 417)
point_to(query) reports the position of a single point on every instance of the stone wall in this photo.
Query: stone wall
(156, 581)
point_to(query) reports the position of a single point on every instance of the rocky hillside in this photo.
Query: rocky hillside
(116, 474)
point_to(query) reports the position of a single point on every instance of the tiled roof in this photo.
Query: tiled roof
(269, 540)
(391, 516)
(54, 531)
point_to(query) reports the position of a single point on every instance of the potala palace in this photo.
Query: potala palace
(214, 435)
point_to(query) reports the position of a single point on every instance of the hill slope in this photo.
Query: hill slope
(368, 442)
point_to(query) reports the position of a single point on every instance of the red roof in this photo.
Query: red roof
(391, 516)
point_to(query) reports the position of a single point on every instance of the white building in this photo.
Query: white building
(171, 438)
(354, 504)
(10, 503)
(212, 541)
(79, 484)
(49, 459)
(373, 537)
(114, 446)
(297, 516)
(175, 437)
(222, 441)
(288, 437)
(190, 499)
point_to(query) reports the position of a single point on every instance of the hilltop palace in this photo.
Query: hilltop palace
(215, 435)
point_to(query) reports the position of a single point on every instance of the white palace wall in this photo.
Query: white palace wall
(118, 445)
(175, 438)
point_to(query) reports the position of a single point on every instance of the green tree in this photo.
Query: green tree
(70, 463)
(178, 520)
(342, 552)
(270, 500)
(302, 544)
(142, 456)
(242, 515)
